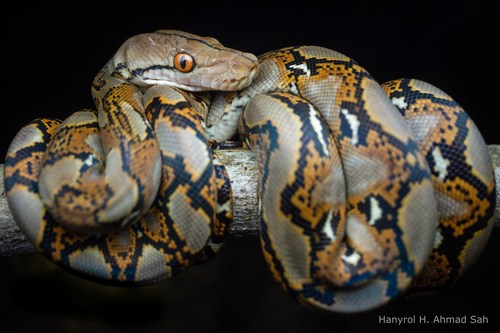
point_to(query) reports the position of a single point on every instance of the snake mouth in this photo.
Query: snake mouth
(206, 83)
(192, 88)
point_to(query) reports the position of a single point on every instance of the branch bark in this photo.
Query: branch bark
(242, 169)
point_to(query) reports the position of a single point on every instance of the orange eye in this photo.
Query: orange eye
(183, 62)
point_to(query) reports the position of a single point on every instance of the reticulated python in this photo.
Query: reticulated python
(356, 204)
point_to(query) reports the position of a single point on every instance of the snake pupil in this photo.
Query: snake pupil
(183, 62)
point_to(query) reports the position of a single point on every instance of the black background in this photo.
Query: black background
(51, 54)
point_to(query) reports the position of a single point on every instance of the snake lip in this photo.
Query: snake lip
(191, 88)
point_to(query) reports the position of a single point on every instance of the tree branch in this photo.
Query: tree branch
(242, 169)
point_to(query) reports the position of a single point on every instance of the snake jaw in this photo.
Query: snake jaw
(151, 82)
(236, 80)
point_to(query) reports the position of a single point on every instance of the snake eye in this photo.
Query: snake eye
(183, 62)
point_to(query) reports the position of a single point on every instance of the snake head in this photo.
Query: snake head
(183, 60)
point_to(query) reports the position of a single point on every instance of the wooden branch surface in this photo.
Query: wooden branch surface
(242, 169)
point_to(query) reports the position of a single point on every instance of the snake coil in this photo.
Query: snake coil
(364, 190)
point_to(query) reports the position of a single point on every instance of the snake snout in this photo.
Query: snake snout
(244, 65)
(243, 69)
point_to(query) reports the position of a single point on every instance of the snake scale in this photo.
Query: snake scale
(365, 190)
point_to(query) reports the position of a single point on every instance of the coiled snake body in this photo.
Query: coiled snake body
(356, 204)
